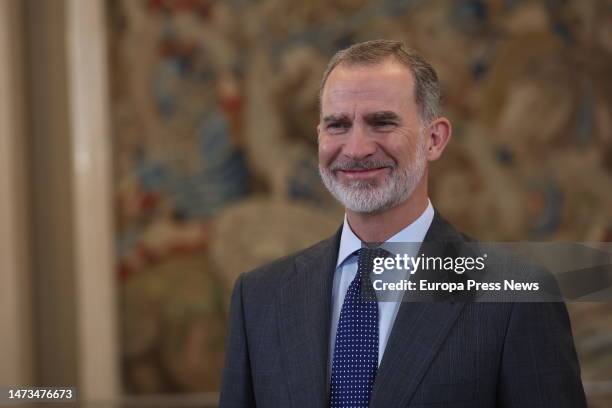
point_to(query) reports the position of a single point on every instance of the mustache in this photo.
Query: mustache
(367, 164)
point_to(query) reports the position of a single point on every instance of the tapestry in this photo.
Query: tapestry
(214, 107)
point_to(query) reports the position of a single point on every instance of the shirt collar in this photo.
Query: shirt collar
(415, 232)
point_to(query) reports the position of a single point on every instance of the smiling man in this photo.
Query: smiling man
(301, 334)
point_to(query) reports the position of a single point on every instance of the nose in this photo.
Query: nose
(359, 145)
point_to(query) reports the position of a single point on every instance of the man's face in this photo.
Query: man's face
(372, 152)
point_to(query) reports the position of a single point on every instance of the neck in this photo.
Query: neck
(380, 226)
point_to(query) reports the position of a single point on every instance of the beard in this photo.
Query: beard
(371, 196)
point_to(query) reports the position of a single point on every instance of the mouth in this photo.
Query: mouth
(362, 174)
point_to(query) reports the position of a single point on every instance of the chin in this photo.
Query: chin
(371, 210)
(356, 202)
(371, 201)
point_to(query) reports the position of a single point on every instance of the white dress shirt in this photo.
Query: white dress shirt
(346, 269)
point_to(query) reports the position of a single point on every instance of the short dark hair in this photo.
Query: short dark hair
(426, 85)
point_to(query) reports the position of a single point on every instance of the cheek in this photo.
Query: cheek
(403, 148)
(328, 150)
(398, 152)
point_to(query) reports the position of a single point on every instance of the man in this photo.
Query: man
(300, 336)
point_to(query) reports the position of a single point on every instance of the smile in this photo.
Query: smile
(359, 174)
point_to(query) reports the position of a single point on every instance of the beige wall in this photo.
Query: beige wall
(15, 312)
(51, 188)
(92, 199)
(57, 310)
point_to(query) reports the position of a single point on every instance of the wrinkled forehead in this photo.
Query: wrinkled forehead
(381, 87)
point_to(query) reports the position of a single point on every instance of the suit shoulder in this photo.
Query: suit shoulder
(498, 254)
(278, 270)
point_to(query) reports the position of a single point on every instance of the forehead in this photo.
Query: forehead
(380, 87)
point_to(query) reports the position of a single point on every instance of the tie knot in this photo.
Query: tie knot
(367, 256)
(365, 267)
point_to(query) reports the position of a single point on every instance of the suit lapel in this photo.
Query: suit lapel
(304, 324)
(417, 334)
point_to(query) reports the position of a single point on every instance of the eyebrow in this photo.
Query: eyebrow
(382, 116)
(336, 118)
(370, 117)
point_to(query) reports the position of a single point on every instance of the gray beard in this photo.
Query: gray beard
(371, 197)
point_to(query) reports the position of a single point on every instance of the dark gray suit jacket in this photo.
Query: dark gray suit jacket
(439, 354)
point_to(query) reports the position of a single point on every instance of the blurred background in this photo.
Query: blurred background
(152, 150)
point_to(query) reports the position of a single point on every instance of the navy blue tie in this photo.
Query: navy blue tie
(355, 358)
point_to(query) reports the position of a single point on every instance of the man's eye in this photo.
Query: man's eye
(337, 126)
(383, 123)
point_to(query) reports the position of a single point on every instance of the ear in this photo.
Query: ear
(318, 132)
(438, 135)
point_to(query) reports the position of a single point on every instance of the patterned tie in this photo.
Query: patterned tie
(356, 349)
